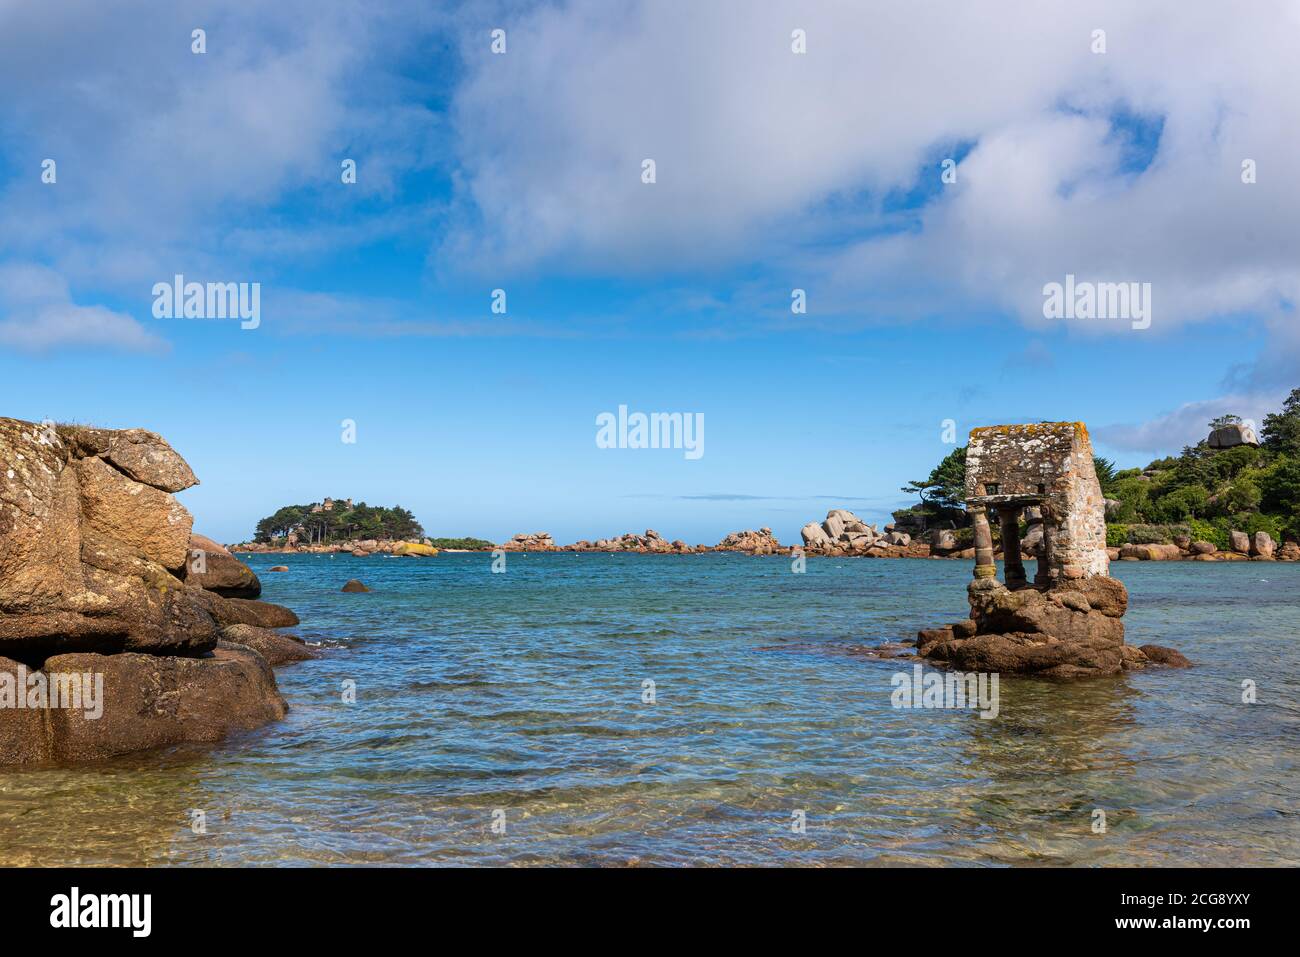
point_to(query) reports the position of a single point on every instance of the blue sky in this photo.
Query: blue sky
(522, 171)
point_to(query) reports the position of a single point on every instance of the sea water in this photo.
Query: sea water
(705, 709)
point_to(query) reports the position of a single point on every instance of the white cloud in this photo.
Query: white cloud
(772, 157)
(172, 162)
(37, 314)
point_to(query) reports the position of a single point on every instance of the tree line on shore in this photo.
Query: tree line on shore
(341, 522)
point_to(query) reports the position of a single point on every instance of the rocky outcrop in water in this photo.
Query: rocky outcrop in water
(278, 649)
(414, 550)
(1072, 630)
(649, 543)
(98, 579)
(361, 548)
(530, 542)
(1068, 631)
(761, 542)
(843, 533)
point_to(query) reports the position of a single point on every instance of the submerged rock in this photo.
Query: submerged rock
(353, 585)
(1165, 656)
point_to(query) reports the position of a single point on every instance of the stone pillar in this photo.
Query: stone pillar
(1047, 559)
(1009, 516)
(984, 566)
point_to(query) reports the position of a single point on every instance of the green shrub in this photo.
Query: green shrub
(1280, 486)
(1259, 522)
(1116, 535)
(1230, 463)
(1242, 496)
(1134, 495)
(1184, 503)
(473, 544)
(1156, 534)
(1215, 534)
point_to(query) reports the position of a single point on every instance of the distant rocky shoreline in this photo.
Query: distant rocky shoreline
(841, 534)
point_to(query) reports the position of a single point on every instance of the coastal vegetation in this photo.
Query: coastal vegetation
(462, 544)
(335, 521)
(1205, 492)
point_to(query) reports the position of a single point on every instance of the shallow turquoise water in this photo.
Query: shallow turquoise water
(519, 696)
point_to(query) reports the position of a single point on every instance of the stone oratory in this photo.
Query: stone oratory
(1045, 469)
(1066, 622)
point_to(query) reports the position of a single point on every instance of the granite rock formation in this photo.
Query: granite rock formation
(213, 567)
(761, 542)
(530, 542)
(414, 550)
(95, 577)
(278, 649)
(1232, 435)
(649, 543)
(844, 533)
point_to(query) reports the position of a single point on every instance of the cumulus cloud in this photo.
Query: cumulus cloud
(37, 314)
(797, 160)
(820, 168)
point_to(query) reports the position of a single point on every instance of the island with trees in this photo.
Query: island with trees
(337, 524)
